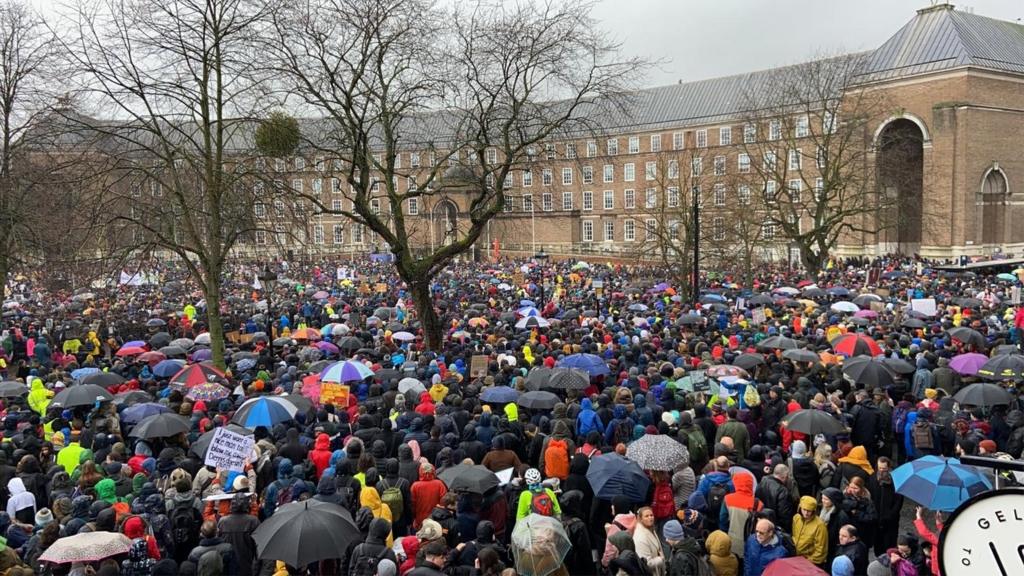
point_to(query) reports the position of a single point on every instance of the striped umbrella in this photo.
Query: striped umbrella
(196, 374)
(208, 392)
(264, 411)
(347, 371)
(856, 345)
(939, 483)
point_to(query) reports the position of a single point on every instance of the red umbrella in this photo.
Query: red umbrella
(130, 351)
(152, 358)
(796, 566)
(856, 345)
(196, 374)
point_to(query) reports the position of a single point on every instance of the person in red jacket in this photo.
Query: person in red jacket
(426, 405)
(321, 454)
(135, 527)
(426, 493)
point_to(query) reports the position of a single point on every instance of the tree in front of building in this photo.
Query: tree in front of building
(807, 134)
(430, 111)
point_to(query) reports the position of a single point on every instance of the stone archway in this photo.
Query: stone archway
(992, 200)
(899, 164)
(445, 217)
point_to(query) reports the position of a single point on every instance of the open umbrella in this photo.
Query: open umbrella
(167, 368)
(844, 307)
(471, 478)
(969, 337)
(795, 566)
(813, 422)
(132, 397)
(800, 355)
(104, 379)
(865, 370)
(130, 351)
(539, 545)
(865, 300)
(264, 411)
(160, 426)
(1003, 367)
(690, 320)
(611, 475)
(567, 379)
(914, 323)
(856, 345)
(152, 357)
(403, 336)
(779, 343)
(538, 377)
(499, 395)
(722, 370)
(81, 373)
(968, 364)
(301, 533)
(12, 389)
(174, 351)
(532, 322)
(538, 400)
(140, 412)
(984, 395)
(411, 386)
(86, 547)
(748, 361)
(208, 392)
(202, 444)
(656, 452)
(589, 363)
(81, 395)
(196, 374)
(939, 483)
(347, 371)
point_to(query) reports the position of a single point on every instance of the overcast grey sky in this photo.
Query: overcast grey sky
(707, 38)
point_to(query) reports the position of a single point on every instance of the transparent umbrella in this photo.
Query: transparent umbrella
(539, 545)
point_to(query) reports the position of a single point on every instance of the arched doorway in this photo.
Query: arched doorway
(995, 188)
(899, 163)
(445, 222)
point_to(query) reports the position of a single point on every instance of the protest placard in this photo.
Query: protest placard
(925, 306)
(478, 365)
(757, 316)
(229, 450)
(334, 393)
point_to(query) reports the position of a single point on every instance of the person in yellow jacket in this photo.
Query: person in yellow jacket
(189, 311)
(438, 391)
(810, 534)
(39, 397)
(70, 456)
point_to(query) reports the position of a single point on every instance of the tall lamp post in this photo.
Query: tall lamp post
(696, 244)
(541, 257)
(268, 279)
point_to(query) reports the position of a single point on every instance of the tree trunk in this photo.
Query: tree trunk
(215, 324)
(811, 260)
(433, 331)
(5, 269)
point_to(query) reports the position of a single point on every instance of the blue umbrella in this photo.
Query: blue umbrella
(245, 364)
(611, 475)
(838, 291)
(938, 483)
(589, 363)
(347, 371)
(167, 368)
(134, 344)
(499, 395)
(264, 411)
(528, 311)
(530, 303)
(83, 372)
(136, 413)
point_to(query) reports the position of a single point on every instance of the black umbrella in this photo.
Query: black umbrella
(869, 372)
(160, 426)
(470, 478)
(156, 323)
(800, 355)
(899, 365)
(984, 395)
(383, 313)
(81, 395)
(104, 379)
(568, 379)
(968, 302)
(387, 375)
(301, 533)
(814, 293)
(1006, 349)
(202, 444)
(170, 351)
(283, 342)
(779, 343)
(913, 323)
(538, 400)
(132, 397)
(690, 319)
(12, 389)
(538, 378)
(350, 343)
(761, 300)
(748, 361)
(396, 327)
(969, 337)
(159, 340)
(1003, 367)
(813, 422)
(237, 356)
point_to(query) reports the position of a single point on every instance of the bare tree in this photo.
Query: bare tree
(175, 87)
(806, 131)
(473, 91)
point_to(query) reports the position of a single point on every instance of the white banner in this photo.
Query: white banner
(229, 450)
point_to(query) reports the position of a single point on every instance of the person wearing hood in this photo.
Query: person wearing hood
(21, 505)
(210, 542)
(106, 490)
(236, 530)
(623, 520)
(810, 534)
(471, 446)
(557, 451)
(293, 448)
(282, 490)
(135, 529)
(574, 519)
(426, 493)
(320, 456)
(70, 456)
(620, 428)
(438, 391)
(39, 397)
(408, 466)
(327, 491)
(736, 508)
(500, 457)
(392, 479)
(625, 562)
(804, 470)
(684, 554)
(367, 555)
(736, 430)
(720, 556)
(587, 420)
(484, 430)
(426, 406)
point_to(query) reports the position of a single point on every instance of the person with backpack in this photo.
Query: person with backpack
(236, 529)
(693, 437)
(394, 493)
(922, 435)
(620, 428)
(281, 491)
(368, 554)
(587, 420)
(684, 553)
(723, 561)
(556, 451)
(580, 560)
(738, 512)
(537, 498)
(714, 486)
(210, 541)
(623, 520)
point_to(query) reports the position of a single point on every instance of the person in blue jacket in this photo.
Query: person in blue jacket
(762, 547)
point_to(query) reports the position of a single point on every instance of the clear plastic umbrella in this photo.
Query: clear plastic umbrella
(539, 545)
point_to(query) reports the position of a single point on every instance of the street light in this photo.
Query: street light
(268, 279)
(695, 195)
(541, 257)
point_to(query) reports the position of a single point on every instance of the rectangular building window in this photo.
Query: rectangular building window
(628, 172)
(795, 187)
(527, 177)
(775, 130)
(770, 160)
(821, 158)
(719, 194)
(678, 140)
(803, 127)
(768, 231)
(508, 182)
(828, 122)
(628, 198)
(492, 156)
(743, 162)
(673, 169)
(819, 189)
(318, 234)
(749, 133)
(320, 164)
(414, 206)
(719, 165)
(651, 198)
(549, 151)
(634, 144)
(725, 136)
(508, 203)
(770, 191)
(335, 186)
(357, 234)
(414, 159)
(546, 203)
(672, 196)
(609, 199)
(375, 205)
(718, 228)
(696, 166)
(588, 174)
(588, 200)
(259, 210)
(629, 231)
(743, 194)
(609, 173)
(650, 228)
(280, 165)
(611, 146)
(297, 186)
(702, 138)
(566, 176)
(609, 230)
(527, 202)
(566, 200)
(588, 230)
(651, 170)
(318, 185)
(336, 205)
(591, 148)
(338, 233)
(655, 142)
(261, 236)
(546, 177)
(794, 159)
(570, 150)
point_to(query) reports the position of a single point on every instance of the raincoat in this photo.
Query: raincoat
(39, 397)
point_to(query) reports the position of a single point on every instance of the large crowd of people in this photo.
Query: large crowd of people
(552, 376)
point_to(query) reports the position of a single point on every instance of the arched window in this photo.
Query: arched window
(995, 182)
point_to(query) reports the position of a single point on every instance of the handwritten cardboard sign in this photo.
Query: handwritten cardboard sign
(229, 450)
(334, 393)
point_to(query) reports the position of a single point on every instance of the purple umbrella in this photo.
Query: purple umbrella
(865, 314)
(320, 295)
(327, 347)
(968, 364)
(202, 355)
(134, 344)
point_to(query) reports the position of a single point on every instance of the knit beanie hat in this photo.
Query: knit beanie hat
(673, 530)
